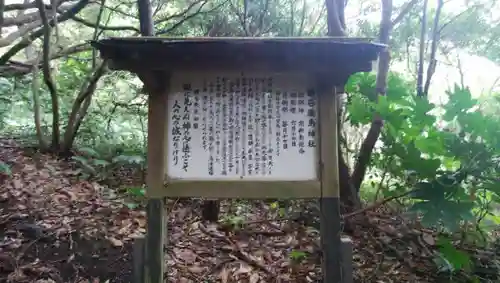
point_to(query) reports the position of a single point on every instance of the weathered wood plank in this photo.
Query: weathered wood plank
(330, 201)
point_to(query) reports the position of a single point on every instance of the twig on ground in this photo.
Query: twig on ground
(237, 251)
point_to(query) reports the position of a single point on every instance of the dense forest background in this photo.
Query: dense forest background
(420, 136)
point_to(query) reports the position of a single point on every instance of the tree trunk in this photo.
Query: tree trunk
(35, 90)
(80, 107)
(210, 210)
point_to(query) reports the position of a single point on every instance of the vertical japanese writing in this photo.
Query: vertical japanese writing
(211, 138)
(284, 123)
(293, 123)
(225, 121)
(311, 114)
(270, 108)
(251, 123)
(196, 109)
(278, 122)
(244, 125)
(238, 99)
(176, 131)
(301, 108)
(186, 120)
(231, 125)
(293, 102)
(218, 119)
(204, 136)
(257, 121)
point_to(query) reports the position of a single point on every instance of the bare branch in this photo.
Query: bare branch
(21, 20)
(81, 105)
(406, 9)
(423, 41)
(35, 91)
(20, 32)
(38, 33)
(24, 6)
(2, 8)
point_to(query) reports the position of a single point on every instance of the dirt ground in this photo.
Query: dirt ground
(56, 227)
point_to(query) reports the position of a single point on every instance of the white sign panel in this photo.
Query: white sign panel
(242, 126)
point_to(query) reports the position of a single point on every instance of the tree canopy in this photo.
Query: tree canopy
(410, 132)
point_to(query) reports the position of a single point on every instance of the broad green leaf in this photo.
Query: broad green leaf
(458, 259)
(4, 168)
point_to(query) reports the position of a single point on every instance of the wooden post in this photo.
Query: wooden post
(156, 235)
(138, 260)
(330, 201)
(347, 269)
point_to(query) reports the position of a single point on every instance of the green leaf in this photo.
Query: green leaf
(131, 205)
(89, 152)
(100, 162)
(359, 110)
(130, 159)
(136, 191)
(458, 259)
(5, 168)
(297, 255)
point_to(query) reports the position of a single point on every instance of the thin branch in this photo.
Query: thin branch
(47, 76)
(102, 27)
(20, 32)
(25, 6)
(406, 9)
(435, 41)
(183, 13)
(35, 91)
(2, 8)
(242, 17)
(423, 41)
(62, 53)
(188, 17)
(96, 33)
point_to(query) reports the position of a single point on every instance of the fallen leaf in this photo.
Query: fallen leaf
(115, 242)
(196, 269)
(224, 275)
(186, 255)
(254, 278)
(429, 239)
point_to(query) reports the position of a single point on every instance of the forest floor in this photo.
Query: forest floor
(57, 228)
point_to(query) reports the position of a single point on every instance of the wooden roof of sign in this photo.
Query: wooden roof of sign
(331, 55)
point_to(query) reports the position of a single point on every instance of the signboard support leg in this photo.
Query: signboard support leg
(157, 125)
(330, 201)
(155, 237)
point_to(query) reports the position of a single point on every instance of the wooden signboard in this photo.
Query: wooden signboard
(242, 118)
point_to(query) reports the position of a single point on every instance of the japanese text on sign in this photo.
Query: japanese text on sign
(242, 126)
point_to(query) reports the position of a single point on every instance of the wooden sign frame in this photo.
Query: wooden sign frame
(327, 61)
